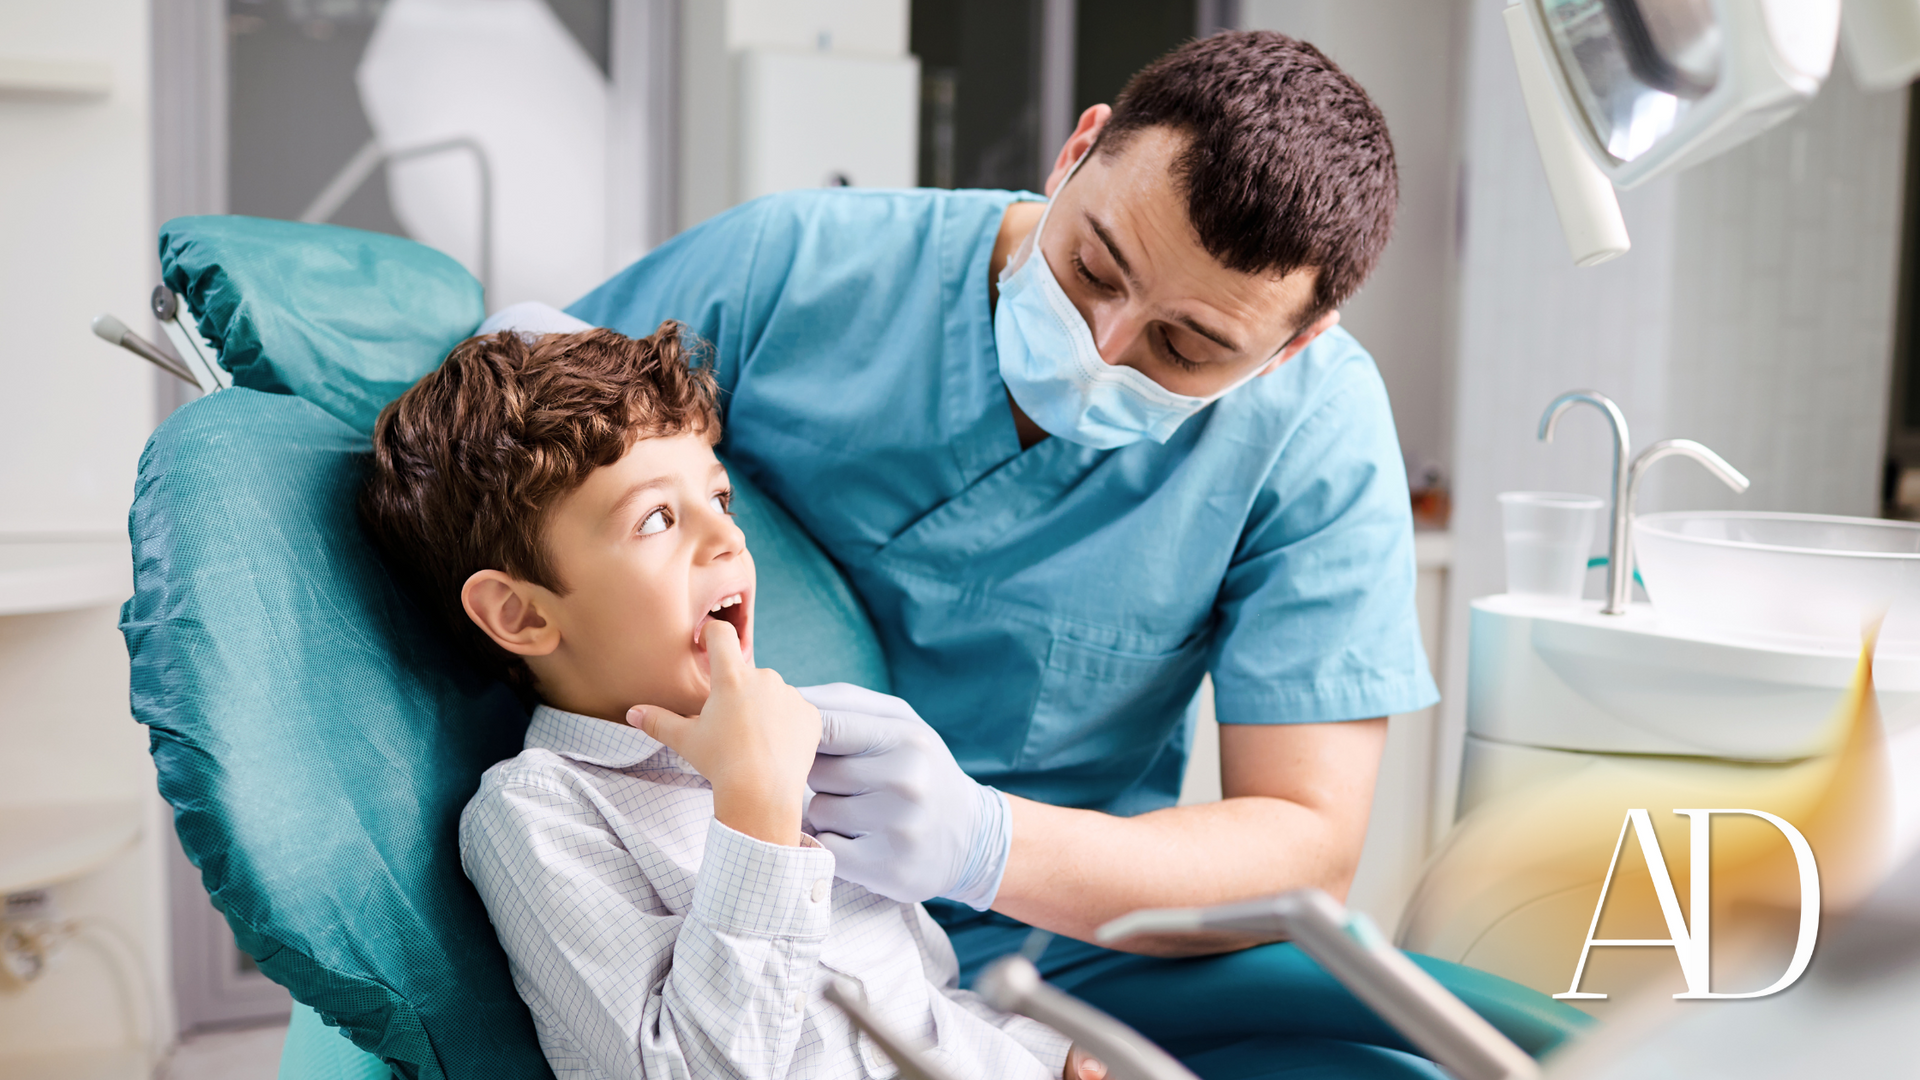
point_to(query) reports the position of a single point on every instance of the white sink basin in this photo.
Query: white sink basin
(1571, 678)
(1798, 580)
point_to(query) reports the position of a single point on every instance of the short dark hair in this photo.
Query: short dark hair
(468, 462)
(1288, 165)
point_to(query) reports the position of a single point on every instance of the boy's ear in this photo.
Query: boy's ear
(510, 612)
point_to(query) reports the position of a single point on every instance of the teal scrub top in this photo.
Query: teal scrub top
(1049, 611)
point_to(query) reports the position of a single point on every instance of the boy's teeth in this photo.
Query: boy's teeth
(726, 603)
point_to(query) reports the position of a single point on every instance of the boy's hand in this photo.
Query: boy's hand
(754, 741)
(1083, 1066)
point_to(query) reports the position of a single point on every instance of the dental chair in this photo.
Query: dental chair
(315, 737)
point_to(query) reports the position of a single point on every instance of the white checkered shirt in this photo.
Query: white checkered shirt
(649, 940)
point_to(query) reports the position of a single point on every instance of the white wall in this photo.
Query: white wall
(1754, 313)
(1786, 267)
(770, 94)
(76, 231)
(77, 235)
(1407, 54)
(706, 148)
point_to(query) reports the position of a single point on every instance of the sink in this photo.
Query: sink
(1805, 581)
(1573, 678)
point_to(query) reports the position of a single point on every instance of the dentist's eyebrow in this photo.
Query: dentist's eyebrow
(1126, 268)
(1113, 249)
(1189, 322)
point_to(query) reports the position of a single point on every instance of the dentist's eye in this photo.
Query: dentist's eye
(657, 522)
(1086, 275)
(723, 501)
(1173, 355)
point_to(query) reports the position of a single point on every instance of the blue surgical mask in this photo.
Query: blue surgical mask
(1054, 370)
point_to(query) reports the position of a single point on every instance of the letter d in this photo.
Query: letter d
(1701, 861)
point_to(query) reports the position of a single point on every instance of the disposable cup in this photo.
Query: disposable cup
(1548, 536)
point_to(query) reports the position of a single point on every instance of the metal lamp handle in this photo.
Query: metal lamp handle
(1013, 984)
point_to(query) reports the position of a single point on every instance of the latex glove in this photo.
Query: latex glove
(899, 815)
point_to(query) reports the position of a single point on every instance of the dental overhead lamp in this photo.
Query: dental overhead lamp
(1622, 91)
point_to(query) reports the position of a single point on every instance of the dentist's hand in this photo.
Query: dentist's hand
(895, 809)
(753, 741)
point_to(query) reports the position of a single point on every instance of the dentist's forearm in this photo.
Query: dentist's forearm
(1298, 796)
(1072, 870)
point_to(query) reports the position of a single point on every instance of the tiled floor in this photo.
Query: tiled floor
(236, 1054)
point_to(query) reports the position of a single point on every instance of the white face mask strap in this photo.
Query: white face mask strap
(1032, 243)
(1051, 199)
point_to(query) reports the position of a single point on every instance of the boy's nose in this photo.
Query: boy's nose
(723, 536)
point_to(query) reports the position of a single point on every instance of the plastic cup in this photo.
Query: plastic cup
(1548, 537)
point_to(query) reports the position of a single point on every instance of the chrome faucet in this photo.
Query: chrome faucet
(1619, 578)
(1667, 448)
(1626, 484)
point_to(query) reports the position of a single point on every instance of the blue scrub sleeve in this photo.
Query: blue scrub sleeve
(703, 277)
(1317, 618)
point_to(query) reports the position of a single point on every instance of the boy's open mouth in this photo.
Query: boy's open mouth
(735, 609)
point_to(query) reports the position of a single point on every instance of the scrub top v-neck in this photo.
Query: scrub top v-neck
(1049, 611)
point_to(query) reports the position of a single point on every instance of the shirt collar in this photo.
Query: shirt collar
(592, 740)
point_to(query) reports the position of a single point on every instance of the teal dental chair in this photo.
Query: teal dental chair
(314, 736)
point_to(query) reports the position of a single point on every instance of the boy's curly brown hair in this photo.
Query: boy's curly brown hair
(468, 462)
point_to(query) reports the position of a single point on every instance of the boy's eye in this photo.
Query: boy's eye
(723, 501)
(656, 522)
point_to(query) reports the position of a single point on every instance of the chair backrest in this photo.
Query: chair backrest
(315, 736)
(343, 318)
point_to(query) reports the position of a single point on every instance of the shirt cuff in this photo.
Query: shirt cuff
(749, 886)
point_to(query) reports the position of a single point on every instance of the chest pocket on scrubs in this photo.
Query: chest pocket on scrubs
(1103, 714)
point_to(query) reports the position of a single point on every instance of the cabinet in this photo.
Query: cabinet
(80, 823)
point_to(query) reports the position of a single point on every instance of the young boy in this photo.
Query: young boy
(556, 498)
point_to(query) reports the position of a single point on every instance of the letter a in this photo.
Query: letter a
(1692, 959)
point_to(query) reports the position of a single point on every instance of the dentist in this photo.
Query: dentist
(1073, 454)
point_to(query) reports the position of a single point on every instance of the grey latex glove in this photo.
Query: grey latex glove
(899, 815)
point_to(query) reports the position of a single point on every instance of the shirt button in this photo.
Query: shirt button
(821, 889)
(799, 1003)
